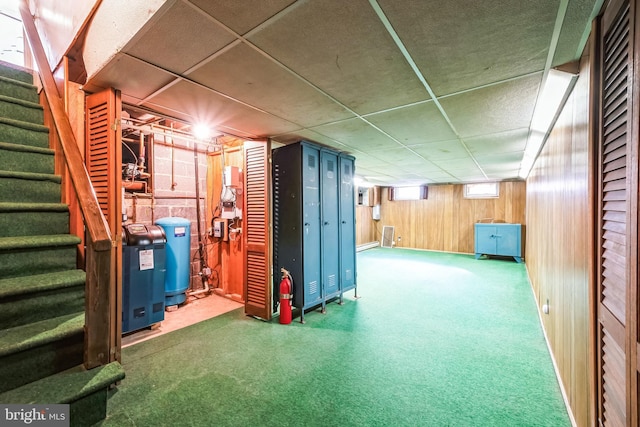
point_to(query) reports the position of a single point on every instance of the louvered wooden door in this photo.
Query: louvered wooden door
(616, 240)
(257, 291)
(103, 158)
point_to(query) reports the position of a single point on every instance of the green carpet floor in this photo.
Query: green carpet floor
(436, 339)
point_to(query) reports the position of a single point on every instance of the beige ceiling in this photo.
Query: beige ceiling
(419, 91)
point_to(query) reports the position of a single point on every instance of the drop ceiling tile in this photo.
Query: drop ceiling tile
(242, 16)
(496, 160)
(460, 45)
(495, 109)
(504, 142)
(205, 106)
(505, 174)
(173, 32)
(357, 135)
(415, 124)
(343, 48)
(463, 163)
(129, 75)
(244, 74)
(576, 23)
(444, 150)
(312, 136)
(374, 162)
(399, 155)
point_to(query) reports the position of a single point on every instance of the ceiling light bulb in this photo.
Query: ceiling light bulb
(201, 132)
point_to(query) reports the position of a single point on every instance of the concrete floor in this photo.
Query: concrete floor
(195, 309)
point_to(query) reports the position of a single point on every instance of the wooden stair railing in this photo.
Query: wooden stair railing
(97, 342)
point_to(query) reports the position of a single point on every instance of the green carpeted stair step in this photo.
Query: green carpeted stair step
(37, 350)
(17, 157)
(15, 72)
(18, 109)
(28, 219)
(21, 132)
(18, 89)
(28, 187)
(84, 390)
(26, 255)
(38, 297)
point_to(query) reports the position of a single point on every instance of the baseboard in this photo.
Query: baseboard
(366, 246)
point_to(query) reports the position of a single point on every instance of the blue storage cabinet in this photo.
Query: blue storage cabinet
(296, 222)
(309, 239)
(347, 224)
(498, 239)
(329, 216)
(178, 251)
(143, 274)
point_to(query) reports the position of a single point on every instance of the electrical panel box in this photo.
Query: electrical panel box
(220, 229)
(375, 213)
(231, 176)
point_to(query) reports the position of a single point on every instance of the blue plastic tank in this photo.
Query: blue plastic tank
(178, 258)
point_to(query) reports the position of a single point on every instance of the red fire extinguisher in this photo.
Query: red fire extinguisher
(286, 296)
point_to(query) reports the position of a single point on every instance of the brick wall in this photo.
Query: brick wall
(173, 196)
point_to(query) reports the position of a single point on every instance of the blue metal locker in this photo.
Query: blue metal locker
(311, 227)
(309, 223)
(347, 224)
(296, 222)
(330, 224)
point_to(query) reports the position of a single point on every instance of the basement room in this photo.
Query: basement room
(286, 212)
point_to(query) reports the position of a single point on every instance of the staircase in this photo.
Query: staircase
(41, 290)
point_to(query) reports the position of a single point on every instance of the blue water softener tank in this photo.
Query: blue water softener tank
(178, 250)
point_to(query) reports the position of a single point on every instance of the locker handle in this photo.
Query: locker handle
(344, 222)
(306, 224)
(326, 223)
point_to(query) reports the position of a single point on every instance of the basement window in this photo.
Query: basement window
(418, 192)
(483, 190)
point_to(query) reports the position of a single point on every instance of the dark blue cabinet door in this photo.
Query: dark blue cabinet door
(485, 239)
(311, 225)
(330, 223)
(347, 224)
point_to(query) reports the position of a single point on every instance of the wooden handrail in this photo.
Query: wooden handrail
(99, 252)
(95, 222)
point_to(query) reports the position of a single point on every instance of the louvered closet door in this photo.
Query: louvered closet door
(617, 213)
(103, 158)
(256, 230)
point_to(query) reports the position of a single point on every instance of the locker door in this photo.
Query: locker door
(347, 224)
(311, 225)
(330, 224)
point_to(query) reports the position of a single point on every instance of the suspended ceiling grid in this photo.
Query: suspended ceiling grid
(418, 91)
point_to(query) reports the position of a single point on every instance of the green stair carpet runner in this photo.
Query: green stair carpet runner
(41, 289)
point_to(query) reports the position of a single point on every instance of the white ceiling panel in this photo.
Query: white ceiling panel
(342, 47)
(493, 109)
(132, 77)
(358, 134)
(444, 150)
(414, 124)
(504, 142)
(244, 74)
(460, 44)
(208, 107)
(173, 32)
(358, 76)
(242, 16)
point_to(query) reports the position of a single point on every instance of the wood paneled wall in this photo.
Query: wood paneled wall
(559, 245)
(225, 257)
(444, 222)
(365, 225)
